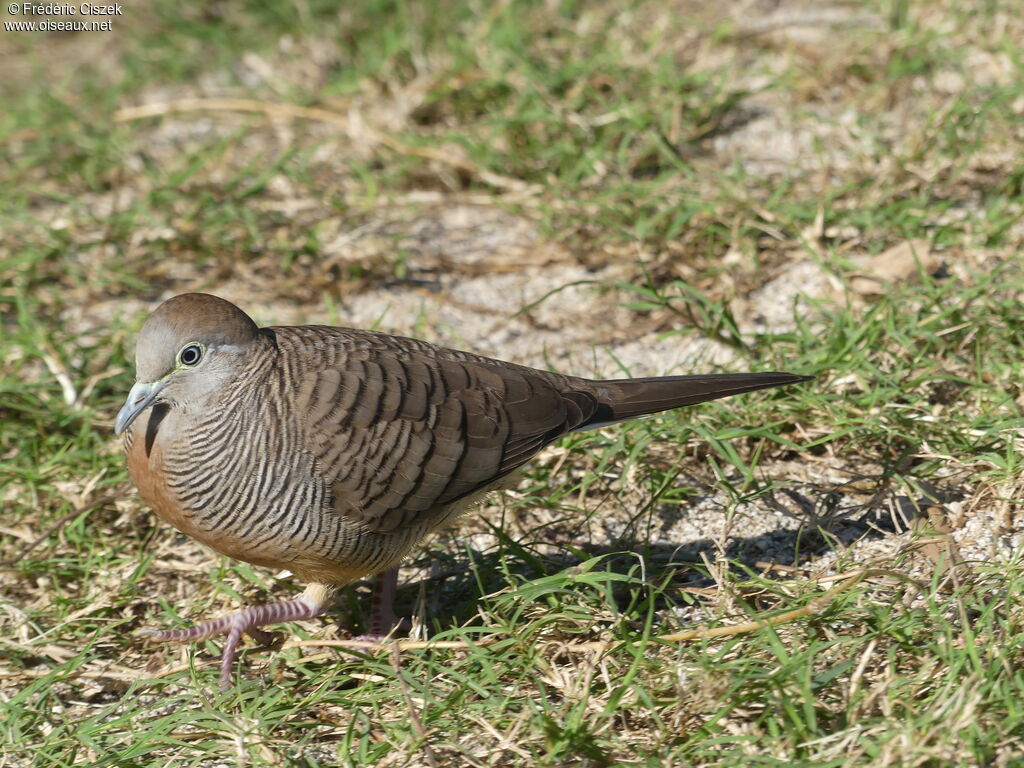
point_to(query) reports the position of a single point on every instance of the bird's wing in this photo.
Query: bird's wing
(398, 436)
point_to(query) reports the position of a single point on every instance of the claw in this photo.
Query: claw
(311, 603)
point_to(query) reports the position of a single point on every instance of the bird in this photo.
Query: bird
(333, 452)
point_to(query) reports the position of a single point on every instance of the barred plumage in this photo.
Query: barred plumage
(331, 451)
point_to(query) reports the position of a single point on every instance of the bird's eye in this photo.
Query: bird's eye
(190, 354)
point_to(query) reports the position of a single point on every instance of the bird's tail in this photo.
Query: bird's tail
(622, 399)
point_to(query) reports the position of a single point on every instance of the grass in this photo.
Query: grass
(647, 178)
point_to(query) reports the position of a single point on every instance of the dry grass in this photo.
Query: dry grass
(642, 188)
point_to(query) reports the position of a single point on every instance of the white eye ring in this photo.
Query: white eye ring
(190, 354)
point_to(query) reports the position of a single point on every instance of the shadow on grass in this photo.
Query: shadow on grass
(451, 596)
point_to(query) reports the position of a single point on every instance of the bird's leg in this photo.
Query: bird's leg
(382, 604)
(383, 620)
(311, 603)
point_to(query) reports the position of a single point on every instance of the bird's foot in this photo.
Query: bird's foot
(384, 628)
(312, 602)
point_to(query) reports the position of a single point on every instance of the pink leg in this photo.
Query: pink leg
(312, 602)
(383, 621)
(382, 605)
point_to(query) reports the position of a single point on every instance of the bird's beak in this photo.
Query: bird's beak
(141, 396)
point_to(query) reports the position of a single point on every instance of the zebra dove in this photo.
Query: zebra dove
(332, 452)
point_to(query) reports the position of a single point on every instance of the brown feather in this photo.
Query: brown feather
(333, 451)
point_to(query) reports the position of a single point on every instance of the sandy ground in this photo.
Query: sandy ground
(478, 276)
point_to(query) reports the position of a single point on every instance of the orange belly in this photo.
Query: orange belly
(146, 470)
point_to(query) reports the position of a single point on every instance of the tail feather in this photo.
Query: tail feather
(622, 399)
